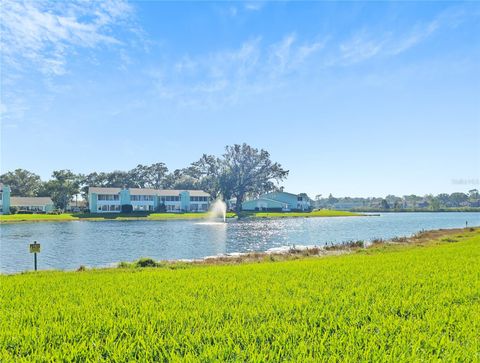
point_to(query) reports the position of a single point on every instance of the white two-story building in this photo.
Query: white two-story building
(110, 200)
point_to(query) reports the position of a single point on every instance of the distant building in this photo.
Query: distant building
(32, 204)
(110, 200)
(76, 206)
(278, 201)
(4, 199)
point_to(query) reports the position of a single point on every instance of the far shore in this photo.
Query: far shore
(70, 217)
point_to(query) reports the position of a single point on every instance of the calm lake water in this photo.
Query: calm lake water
(67, 245)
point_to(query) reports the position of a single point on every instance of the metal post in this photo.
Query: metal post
(35, 260)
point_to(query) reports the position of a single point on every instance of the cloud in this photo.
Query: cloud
(224, 76)
(254, 6)
(365, 45)
(43, 34)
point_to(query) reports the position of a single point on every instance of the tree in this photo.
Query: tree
(246, 170)
(179, 180)
(332, 200)
(155, 175)
(92, 180)
(384, 204)
(458, 198)
(137, 177)
(22, 182)
(443, 199)
(206, 172)
(473, 194)
(119, 179)
(62, 188)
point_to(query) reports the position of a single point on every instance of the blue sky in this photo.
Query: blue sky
(359, 99)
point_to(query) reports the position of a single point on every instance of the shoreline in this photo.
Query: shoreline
(159, 217)
(284, 253)
(295, 252)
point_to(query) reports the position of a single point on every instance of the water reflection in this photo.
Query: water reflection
(67, 245)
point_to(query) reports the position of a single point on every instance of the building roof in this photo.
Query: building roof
(102, 190)
(278, 192)
(143, 191)
(193, 193)
(29, 201)
(148, 191)
(273, 201)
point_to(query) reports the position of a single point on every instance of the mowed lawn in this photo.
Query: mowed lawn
(100, 217)
(389, 303)
(316, 213)
(20, 218)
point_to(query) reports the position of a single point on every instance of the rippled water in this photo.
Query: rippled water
(67, 245)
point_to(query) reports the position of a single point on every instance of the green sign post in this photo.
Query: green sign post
(35, 248)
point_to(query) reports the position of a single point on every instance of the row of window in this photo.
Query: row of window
(150, 198)
(110, 208)
(198, 207)
(141, 198)
(199, 199)
(172, 198)
(144, 208)
(108, 197)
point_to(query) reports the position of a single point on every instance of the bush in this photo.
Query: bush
(13, 210)
(55, 212)
(24, 212)
(146, 262)
(127, 208)
(161, 208)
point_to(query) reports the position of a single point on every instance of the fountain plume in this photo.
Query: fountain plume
(218, 209)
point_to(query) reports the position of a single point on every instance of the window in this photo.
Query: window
(108, 197)
(299, 199)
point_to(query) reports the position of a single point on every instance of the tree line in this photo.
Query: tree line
(242, 171)
(471, 199)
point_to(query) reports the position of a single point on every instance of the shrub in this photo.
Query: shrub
(127, 208)
(81, 268)
(146, 262)
(24, 212)
(161, 208)
(13, 210)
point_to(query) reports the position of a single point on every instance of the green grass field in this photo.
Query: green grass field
(388, 303)
(16, 218)
(317, 213)
(100, 217)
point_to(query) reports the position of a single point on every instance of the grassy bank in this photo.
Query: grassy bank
(16, 218)
(317, 213)
(400, 302)
(101, 217)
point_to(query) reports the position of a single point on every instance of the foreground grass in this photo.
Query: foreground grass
(16, 218)
(390, 303)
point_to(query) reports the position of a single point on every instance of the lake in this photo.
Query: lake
(67, 245)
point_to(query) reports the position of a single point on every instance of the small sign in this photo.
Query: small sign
(34, 247)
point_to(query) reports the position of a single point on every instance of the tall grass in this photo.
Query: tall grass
(394, 304)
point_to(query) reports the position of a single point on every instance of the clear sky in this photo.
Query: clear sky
(359, 99)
